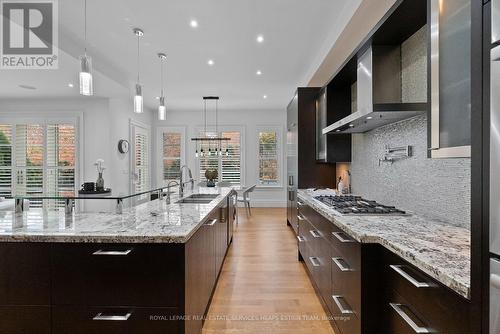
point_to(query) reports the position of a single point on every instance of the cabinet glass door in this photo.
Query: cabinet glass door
(450, 78)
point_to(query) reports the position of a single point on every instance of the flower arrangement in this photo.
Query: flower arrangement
(100, 165)
(99, 184)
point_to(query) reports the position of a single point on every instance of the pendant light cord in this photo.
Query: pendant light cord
(161, 70)
(217, 121)
(205, 115)
(85, 25)
(138, 58)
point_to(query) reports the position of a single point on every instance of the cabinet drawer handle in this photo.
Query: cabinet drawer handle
(299, 203)
(113, 252)
(314, 261)
(299, 217)
(341, 307)
(416, 328)
(212, 222)
(112, 317)
(341, 237)
(315, 234)
(300, 238)
(408, 277)
(340, 263)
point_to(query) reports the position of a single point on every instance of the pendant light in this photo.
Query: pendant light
(206, 139)
(86, 84)
(138, 100)
(162, 109)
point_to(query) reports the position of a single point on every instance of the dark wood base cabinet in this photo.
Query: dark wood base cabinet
(92, 288)
(368, 289)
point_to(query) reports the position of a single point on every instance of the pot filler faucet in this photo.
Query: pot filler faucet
(182, 183)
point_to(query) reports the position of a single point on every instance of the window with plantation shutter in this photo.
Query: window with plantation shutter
(171, 156)
(38, 159)
(208, 160)
(29, 158)
(140, 163)
(61, 156)
(5, 160)
(269, 157)
(229, 164)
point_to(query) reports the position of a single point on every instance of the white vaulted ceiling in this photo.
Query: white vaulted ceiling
(295, 34)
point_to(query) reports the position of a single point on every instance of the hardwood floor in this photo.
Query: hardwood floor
(263, 288)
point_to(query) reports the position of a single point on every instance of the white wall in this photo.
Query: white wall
(106, 121)
(251, 121)
(102, 123)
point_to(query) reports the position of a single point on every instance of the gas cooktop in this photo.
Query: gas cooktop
(356, 205)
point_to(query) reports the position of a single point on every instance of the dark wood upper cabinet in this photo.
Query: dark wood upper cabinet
(303, 169)
(333, 103)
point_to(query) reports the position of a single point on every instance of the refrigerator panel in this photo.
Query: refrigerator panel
(495, 21)
(495, 153)
(494, 296)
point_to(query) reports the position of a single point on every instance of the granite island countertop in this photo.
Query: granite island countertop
(440, 250)
(150, 222)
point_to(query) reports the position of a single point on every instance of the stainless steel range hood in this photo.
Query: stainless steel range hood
(378, 80)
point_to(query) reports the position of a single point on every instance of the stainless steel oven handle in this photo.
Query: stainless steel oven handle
(408, 277)
(416, 328)
(112, 317)
(300, 238)
(338, 262)
(341, 307)
(340, 237)
(314, 261)
(299, 217)
(315, 234)
(113, 252)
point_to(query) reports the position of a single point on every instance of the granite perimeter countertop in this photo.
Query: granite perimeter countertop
(440, 250)
(150, 222)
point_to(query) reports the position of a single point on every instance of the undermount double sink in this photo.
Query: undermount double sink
(198, 199)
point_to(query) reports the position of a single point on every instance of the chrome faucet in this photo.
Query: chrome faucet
(175, 183)
(181, 181)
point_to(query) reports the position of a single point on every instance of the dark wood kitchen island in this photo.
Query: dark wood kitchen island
(152, 269)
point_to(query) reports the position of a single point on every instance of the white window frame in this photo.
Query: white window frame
(133, 123)
(224, 128)
(159, 148)
(47, 118)
(279, 142)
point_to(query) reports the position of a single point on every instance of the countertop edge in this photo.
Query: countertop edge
(434, 272)
(34, 237)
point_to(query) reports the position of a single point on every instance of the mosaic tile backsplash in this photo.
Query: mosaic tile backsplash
(434, 188)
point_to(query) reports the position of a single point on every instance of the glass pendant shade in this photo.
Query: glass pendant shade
(138, 102)
(86, 82)
(162, 110)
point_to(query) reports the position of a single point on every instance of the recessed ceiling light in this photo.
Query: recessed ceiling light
(157, 97)
(264, 97)
(259, 72)
(260, 39)
(193, 23)
(70, 85)
(210, 62)
(351, 125)
(369, 117)
(27, 87)
(338, 130)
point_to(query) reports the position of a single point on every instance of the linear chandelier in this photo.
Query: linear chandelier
(213, 141)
